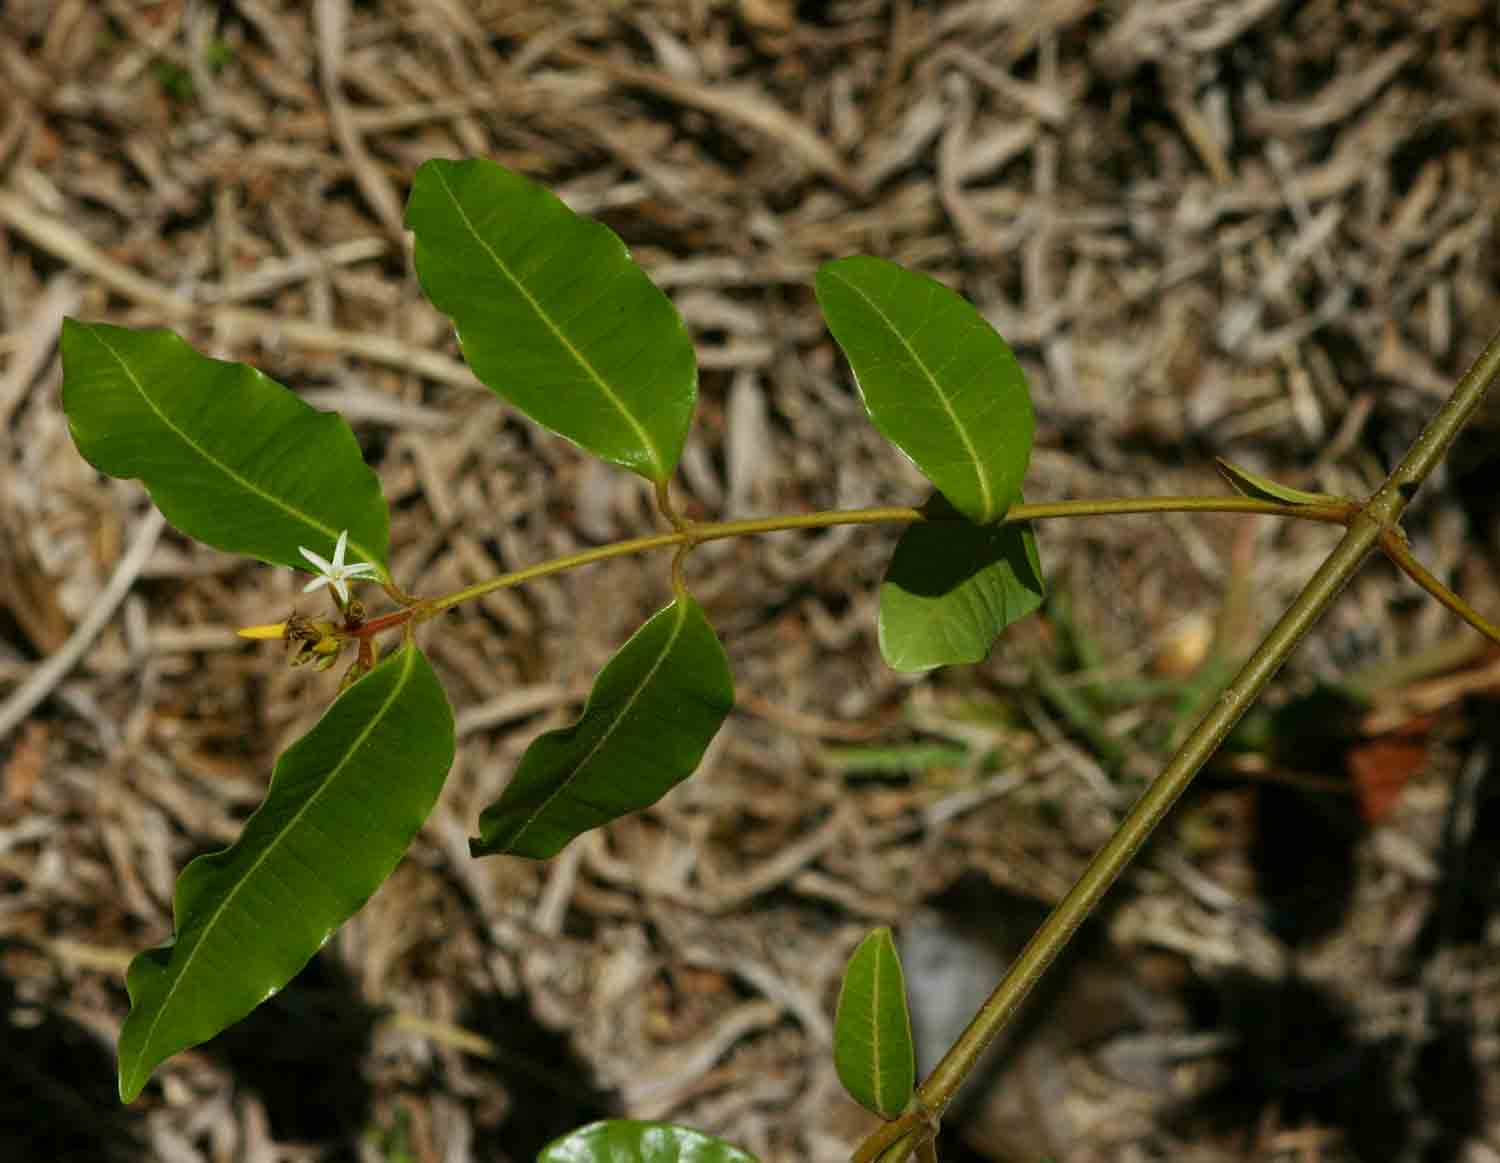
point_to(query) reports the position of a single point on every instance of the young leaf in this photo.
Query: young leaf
(553, 315)
(1260, 488)
(631, 1141)
(344, 803)
(952, 587)
(228, 454)
(872, 1044)
(654, 709)
(937, 380)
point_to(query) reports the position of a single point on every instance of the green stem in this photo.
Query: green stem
(695, 533)
(1366, 529)
(1398, 551)
(665, 506)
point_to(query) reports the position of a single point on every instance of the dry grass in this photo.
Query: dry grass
(1249, 229)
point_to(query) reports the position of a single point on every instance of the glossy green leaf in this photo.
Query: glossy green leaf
(345, 801)
(872, 1043)
(553, 315)
(230, 456)
(937, 380)
(654, 709)
(632, 1141)
(952, 587)
(1257, 487)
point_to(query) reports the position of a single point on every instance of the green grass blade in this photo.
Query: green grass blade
(344, 803)
(553, 315)
(230, 457)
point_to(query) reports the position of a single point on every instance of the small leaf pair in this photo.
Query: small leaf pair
(941, 385)
(554, 317)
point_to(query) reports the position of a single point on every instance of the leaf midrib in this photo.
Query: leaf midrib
(609, 732)
(657, 460)
(877, 1080)
(244, 482)
(985, 493)
(291, 824)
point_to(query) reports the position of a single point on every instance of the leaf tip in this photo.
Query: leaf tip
(132, 1081)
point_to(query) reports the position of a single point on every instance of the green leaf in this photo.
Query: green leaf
(937, 380)
(553, 315)
(229, 455)
(653, 711)
(344, 803)
(631, 1141)
(872, 1044)
(1260, 488)
(952, 587)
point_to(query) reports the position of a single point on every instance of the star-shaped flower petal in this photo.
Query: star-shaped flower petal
(335, 573)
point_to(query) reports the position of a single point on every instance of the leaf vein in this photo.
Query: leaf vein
(244, 482)
(975, 463)
(582, 360)
(609, 732)
(246, 877)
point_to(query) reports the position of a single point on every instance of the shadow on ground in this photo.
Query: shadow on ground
(548, 1089)
(57, 1090)
(301, 1052)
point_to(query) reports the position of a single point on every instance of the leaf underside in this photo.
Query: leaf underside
(652, 713)
(553, 315)
(633, 1141)
(936, 378)
(230, 456)
(344, 803)
(952, 587)
(873, 1051)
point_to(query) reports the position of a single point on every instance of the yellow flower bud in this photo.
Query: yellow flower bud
(274, 630)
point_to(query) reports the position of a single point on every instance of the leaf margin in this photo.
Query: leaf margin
(75, 331)
(997, 478)
(659, 462)
(147, 970)
(716, 690)
(877, 959)
(990, 555)
(1260, 488)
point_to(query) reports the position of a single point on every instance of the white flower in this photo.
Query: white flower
(335, 573)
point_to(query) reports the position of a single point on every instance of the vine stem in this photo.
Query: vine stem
(693, 533)
(1366, 529)
(1395, 547)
